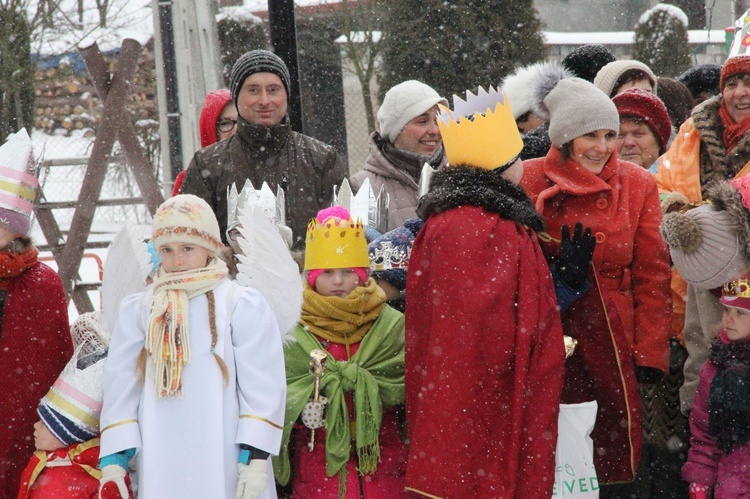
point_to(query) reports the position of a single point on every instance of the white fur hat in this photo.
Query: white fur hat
(404, 102)
(519, 86)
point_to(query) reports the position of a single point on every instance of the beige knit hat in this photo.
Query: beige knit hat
(609, 74)
(705, 246)
(576, 107)
(186, 218)
(404, 102)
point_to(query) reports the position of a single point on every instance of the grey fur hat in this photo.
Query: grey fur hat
(710, 245)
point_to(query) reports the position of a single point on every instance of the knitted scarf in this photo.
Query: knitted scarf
(342, 320)
(168, 334)
(14, 264)
(733, 132)
(729, 394)
(375, 374)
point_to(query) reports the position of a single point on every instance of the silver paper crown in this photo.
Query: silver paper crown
(365, 205)
(272, 206)
(424, 179)
(388, 257)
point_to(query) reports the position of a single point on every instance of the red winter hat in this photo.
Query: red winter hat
(734, 66)
(212, 108)
(638, 103)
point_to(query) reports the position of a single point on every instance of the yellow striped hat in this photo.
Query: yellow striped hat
(18, 183)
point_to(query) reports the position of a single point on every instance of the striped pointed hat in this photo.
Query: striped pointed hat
(71, 408)
(18, 183)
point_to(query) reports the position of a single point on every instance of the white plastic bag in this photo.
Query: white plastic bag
(575, 475)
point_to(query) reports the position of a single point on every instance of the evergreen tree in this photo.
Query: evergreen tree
(661, 40)
(16, 72)
(237, 36)
(454, 45)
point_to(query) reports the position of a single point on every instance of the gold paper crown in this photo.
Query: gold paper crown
(480, 131)
(336, 244)
(739, 288)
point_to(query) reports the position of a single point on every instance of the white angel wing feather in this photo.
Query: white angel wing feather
(126, 268)
(267, 266)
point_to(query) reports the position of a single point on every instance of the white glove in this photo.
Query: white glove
(253, 479)
(313, 413)
(116, 474)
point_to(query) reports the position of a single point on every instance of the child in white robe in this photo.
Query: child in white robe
(194, 384)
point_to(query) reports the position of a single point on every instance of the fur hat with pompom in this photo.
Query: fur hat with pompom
(710, 245)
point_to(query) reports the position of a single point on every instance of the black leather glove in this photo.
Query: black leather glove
(572, 265)
(648, 375)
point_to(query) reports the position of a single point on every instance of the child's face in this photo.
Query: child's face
(44, 439)
(336, 282)
(736, 323)
(176, 257)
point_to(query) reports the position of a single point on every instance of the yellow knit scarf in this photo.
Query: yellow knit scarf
(342, 320)
(168, 334)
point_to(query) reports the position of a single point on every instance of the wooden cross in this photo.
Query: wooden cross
(115, 125)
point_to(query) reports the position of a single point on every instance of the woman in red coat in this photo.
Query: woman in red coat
(582, 179)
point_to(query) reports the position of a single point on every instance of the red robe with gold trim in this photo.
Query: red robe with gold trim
(484, 347)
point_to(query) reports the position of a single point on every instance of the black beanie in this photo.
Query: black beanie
(703, 78)
(257, 61)
(586, 61)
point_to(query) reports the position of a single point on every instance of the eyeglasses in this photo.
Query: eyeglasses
(234, 234)
(226, 125)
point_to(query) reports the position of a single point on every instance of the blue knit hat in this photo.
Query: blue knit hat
(389, 254)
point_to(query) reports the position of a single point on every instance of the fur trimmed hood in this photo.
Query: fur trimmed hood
(459, 185)
(715, 163)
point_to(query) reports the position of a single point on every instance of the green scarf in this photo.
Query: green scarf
(376, 376)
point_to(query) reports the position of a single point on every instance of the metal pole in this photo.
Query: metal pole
(170, 85)
(284, 41)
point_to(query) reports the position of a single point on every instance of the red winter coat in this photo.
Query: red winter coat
(621, 205)
(79, 479)
(35, 345)
(484, 356)
(310, 478)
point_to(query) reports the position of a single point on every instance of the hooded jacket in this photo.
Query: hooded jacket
(304, 167)
(621, 206)
(401, 182)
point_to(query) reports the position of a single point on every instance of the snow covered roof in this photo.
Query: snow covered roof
(125, 19)
(623, 37)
